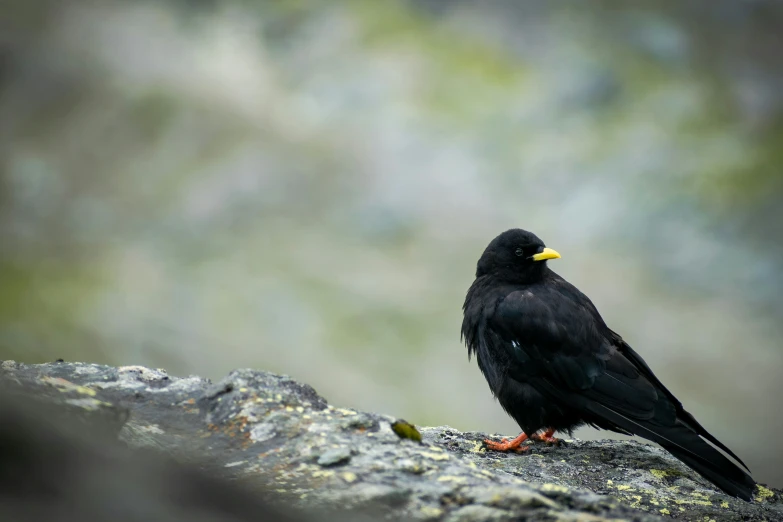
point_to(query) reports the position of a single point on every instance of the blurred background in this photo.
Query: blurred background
(305, 187)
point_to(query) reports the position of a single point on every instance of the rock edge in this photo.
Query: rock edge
(270, 431)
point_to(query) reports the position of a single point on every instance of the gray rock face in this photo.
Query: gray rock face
(273, 432)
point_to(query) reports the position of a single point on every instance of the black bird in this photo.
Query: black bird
(554, 365)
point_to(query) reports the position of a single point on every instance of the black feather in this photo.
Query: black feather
(553, 363)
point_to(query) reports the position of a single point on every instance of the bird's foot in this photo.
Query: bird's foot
(546, 437)
(508, 445)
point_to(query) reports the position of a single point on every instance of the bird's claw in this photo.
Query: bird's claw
(548, 440)
(546, 437)
(506, 445)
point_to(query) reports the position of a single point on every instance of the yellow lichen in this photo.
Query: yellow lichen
(763, 493)
(450, 478)
(724, 504)
(431, 512)
(623, 487)
(434, 456)
(554, 488)
(694, 502)
(665, 511)
(659, 473)
(349, 477)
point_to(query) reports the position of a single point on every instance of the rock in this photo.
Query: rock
(56, 466)
(510, 498)
(476, 513)
(268, 431)
(334, 457)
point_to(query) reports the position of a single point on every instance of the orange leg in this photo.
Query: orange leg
(506, 445)
(546, 437)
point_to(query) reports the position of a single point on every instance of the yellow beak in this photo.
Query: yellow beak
(545, 254)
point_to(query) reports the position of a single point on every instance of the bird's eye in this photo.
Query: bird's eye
(519, 252)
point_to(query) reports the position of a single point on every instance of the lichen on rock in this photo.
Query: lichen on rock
(270, 431)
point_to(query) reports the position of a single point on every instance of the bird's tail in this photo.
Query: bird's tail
(688, 446)
(708, 462)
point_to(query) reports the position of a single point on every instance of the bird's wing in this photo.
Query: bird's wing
(630, 354)
(555, 344)
(553, 341)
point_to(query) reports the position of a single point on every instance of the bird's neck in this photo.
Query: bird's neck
(532, 275)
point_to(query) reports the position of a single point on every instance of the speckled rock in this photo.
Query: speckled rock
(272, 431)
(335, 456)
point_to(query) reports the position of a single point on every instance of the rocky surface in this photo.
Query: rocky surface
(270, 431)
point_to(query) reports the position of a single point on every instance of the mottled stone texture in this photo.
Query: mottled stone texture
(272, 432)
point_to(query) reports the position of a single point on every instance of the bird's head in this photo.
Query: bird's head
(516, 256)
